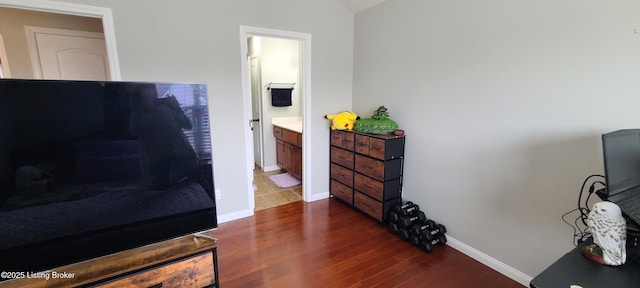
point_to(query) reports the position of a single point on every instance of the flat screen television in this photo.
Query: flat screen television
(89, 168)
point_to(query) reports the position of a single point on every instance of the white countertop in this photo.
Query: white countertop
(293, 123)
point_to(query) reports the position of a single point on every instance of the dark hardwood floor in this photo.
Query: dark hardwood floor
(327, 244)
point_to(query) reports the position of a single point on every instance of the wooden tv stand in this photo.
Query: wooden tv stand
(187, 261)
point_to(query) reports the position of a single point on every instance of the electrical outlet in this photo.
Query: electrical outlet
(218, 196)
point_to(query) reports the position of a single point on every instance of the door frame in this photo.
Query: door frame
(78, 10)
(305, 41)
(6, 72)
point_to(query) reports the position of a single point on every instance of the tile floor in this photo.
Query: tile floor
(268, 195)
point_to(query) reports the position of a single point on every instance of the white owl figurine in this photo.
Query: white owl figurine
(609, 231)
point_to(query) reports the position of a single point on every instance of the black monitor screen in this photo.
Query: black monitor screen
(621, 151)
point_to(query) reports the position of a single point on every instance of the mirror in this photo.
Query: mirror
(35, 40)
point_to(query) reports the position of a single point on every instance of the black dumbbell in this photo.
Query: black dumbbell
(393, 227)
(415, 240)
(427, 246)
(406, 208)
(404, 234)
(430, 234)
(409, 210)
(393, 222)
(421, 226)
(401, 206)
(408, 221)
(394, 216)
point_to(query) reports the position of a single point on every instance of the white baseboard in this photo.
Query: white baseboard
(270, 168)
(489, 261)
(317, 196)
(234, 216)
(248, 213)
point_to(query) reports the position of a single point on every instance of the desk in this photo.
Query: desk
(575, 269)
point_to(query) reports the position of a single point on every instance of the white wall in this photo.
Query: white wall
(280, 64)
(503, 103)
(169, 40)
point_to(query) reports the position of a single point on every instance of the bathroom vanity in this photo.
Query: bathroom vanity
(288, 134)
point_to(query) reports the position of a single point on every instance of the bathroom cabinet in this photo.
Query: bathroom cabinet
(288, 150)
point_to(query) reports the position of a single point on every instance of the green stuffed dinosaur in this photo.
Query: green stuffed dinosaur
(379, 123)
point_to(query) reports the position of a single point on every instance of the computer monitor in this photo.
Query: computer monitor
(621, 153)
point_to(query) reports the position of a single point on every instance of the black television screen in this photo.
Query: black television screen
(89, 168)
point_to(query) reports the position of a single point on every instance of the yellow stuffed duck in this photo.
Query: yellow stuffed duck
(343, 120)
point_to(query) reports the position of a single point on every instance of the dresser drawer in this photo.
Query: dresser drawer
(381, 147)
(381, 191)
(342, 157)
(370, 146)
(344, 175)
(341, 191)
(373, 208)
(342, 139)
(193, 272)
(368, 205)
(377, 169)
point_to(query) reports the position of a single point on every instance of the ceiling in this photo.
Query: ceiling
(359, 5)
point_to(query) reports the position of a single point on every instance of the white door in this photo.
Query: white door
(256, 109)
(68, 54)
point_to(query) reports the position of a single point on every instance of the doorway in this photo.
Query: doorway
(261, 154)
(273, 63)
